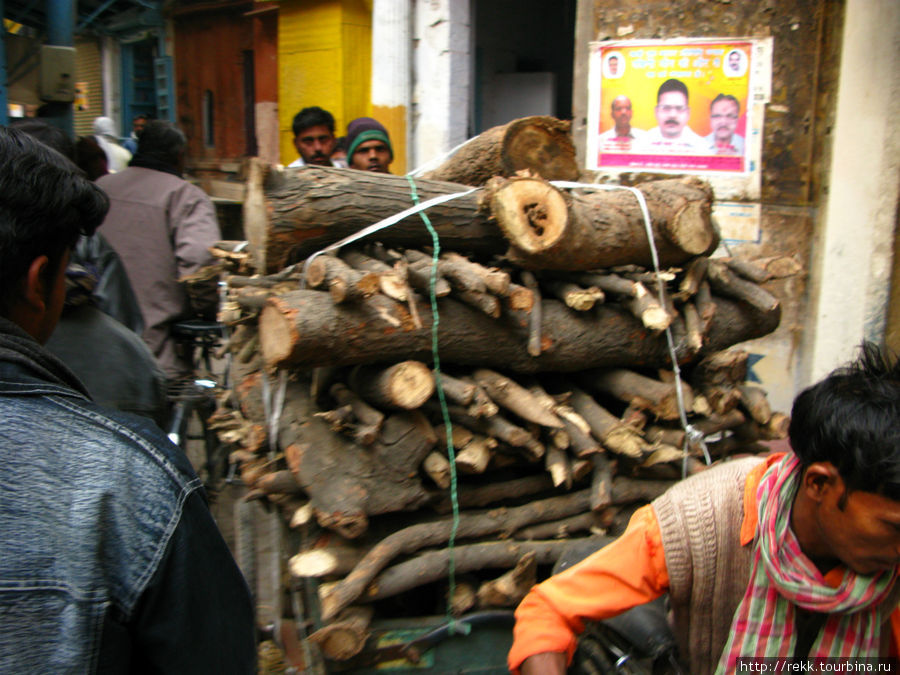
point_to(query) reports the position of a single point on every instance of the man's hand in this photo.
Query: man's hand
(547, 663)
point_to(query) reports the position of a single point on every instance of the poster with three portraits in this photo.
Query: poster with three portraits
(679, 106)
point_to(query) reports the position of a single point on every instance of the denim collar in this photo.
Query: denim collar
(18, 347)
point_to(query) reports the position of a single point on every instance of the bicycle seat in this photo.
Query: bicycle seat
(197, 328)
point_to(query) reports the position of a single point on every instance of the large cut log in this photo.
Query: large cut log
(297, 212)
(306, 209)
(590, 229)
(542, 145)
(305, 328)
(415, 537)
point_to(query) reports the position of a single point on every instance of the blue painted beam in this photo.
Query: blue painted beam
(97, 12)
(60, 22)
(61, 33)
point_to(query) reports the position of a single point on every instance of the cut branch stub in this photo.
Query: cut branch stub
(513, 396)
(405, 386)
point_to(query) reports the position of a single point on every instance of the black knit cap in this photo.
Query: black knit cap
(364, 129)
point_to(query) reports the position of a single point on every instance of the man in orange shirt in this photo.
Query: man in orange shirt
(812, 536)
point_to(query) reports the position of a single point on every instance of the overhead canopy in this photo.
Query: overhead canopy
(105, 17)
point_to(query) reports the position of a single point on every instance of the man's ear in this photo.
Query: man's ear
(819, 478)
(35, 291)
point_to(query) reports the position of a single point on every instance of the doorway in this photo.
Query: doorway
(524, 55)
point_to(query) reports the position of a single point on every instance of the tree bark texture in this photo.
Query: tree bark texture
(434, 565)
(305, 328)
(410, 539)
(307, 209)
(542, 145)
(347, 482)
(590, 229)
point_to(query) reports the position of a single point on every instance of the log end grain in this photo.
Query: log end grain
(684, 232)
(531, 213)
(277, 334)
(411, 384)
(539, 144)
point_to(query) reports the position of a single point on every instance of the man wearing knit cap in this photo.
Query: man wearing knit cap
(369, 146)
(767, 562)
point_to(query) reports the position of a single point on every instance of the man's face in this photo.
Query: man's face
(371, 155)
(723, 116)
(734, 61)
(672, 114)
(621, 113)
(315, 145)
(865, 534)
(138, 125)
(613, 65)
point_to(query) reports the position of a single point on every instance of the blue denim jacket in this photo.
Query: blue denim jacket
(109, 558)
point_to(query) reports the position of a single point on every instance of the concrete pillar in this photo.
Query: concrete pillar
(443, 67)
(850, 276)
(391, 68)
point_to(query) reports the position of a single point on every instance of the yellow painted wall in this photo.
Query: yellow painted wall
(394, 120)
(324, 59)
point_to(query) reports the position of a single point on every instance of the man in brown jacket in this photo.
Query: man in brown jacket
(162, 227)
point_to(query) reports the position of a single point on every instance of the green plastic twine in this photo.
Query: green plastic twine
(451, 452)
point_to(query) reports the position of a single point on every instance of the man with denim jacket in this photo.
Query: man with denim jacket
(109, 559)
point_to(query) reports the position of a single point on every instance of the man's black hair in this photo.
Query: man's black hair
(312, 117)
(725, 97)
(852, 419)
(672, 85)
(47, 134)
(46, 203)
(162, 141)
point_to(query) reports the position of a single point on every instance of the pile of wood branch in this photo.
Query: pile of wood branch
(555, 407)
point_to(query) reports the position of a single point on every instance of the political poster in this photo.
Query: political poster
(684, 106)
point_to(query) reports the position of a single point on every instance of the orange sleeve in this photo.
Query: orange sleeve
(895, 633)
(628, 572)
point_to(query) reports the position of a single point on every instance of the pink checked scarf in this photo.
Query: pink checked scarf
(783, 578)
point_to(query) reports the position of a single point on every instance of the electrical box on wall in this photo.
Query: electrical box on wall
(57, 73)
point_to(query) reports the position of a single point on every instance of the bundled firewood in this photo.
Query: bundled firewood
(555, 413)
(563, 449)
(297, 212)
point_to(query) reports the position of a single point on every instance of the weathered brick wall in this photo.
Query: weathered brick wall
(798, 118)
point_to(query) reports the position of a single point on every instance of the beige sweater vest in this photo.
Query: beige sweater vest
(700, 521)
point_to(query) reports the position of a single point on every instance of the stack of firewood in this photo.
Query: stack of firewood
(555, 406)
